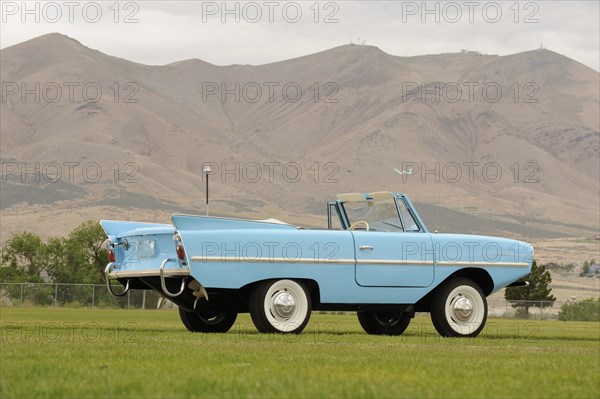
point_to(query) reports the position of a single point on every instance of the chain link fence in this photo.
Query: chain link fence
(74, 295)
(539, 310)
(96, 296)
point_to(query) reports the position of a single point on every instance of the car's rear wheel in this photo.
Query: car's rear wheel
(280, 306)
(208, 322)
(459, 309)
(384, 323)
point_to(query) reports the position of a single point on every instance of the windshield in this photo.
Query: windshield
(379, 215)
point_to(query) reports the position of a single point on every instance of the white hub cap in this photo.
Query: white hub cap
(286, 305)
(464, 309)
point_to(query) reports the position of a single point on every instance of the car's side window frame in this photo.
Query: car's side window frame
(335, 205)
(410, 212)
(343, 215)
(399, 215)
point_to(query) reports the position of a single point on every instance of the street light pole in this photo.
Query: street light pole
(207, 171)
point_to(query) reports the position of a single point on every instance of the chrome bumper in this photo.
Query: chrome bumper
(161, 272)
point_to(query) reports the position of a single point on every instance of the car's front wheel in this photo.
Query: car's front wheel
(208, 322)
(384, 323)
(280, 306)
(459, 309)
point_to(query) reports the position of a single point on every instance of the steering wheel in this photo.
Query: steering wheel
(354, 225)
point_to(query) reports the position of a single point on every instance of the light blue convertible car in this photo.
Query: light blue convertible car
(376, 258)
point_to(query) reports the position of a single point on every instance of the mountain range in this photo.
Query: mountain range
(498, 145)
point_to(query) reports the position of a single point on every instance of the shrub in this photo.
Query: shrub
(585, 310)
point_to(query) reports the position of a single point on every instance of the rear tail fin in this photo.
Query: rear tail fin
(114, 228)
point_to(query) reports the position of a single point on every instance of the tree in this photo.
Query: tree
(79, 258)
(586, 268)
(536, 294)
(24, 258)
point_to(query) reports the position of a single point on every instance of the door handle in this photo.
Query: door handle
(363, 247)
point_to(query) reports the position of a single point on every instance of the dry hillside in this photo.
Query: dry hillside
(374, 112)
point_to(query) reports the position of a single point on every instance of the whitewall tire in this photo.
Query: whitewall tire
(459, 309)
(280, 306)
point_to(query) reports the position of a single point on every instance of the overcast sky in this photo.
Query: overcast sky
(161, 32)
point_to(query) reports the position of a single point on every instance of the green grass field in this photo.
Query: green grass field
(89, 353)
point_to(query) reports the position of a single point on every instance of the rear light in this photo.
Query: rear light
(180, 252)
(111, 255)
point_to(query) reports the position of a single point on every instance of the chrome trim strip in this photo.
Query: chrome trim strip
(221, 259)
(484, 264)
(149, 273)
(394, 262)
